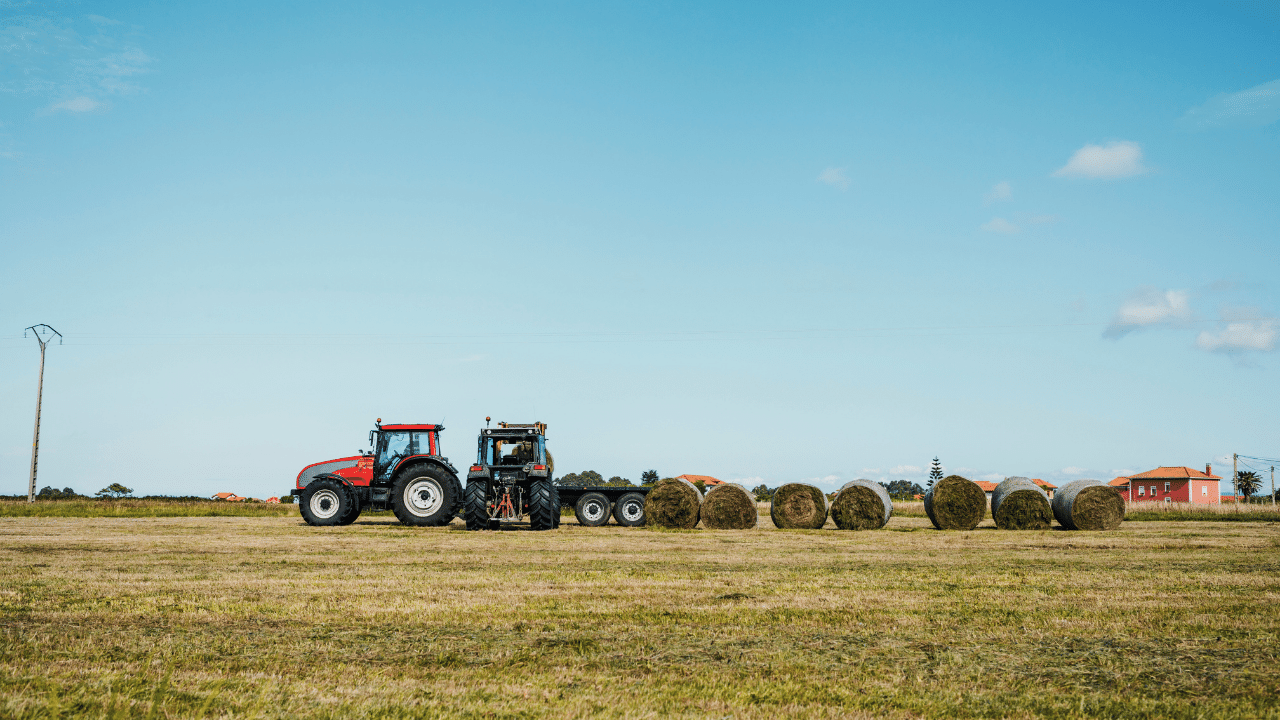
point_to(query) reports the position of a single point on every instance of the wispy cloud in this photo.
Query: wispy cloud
(834, 177)
(999, 192)
(1114, 160)
(1073, 470)
(991, 477)
(1000, 225)
(75, 105)
(1257, 335)
(1255, 107)
(905, 470)
(1149, 307)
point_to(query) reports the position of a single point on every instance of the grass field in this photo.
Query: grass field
(139, 508)
(266, 617)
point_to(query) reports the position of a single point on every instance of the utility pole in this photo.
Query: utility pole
(1273, 486)
(37, 330)
(1235, 492)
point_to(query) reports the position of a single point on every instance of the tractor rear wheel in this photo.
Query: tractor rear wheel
(629, 510)
(477, 505)
(592, 509)
(325, 502)
(425, 496)
(543, 505)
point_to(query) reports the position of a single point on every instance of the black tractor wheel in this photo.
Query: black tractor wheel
(326, 502)
(543, 505)
(629, 510)
(476, 505)
(424, 495)
(556, 490)
(592, 509)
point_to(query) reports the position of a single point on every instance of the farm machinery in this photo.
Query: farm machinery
(511, 481)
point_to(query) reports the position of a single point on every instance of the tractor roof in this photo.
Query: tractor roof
(512, 432)
(410, 427)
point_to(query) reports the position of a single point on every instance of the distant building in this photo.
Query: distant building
(706, 480)
(1048, 488)
(272, 501)
(1171, 484)
(229, 497)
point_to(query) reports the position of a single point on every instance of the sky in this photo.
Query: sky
(767, 242)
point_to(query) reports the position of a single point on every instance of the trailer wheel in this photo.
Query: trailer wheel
(592, 509)
(425, 496)
(629, 510)
(325, 502)
(477, 505)
(543, 507)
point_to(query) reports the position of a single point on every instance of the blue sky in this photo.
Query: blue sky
(765, 243)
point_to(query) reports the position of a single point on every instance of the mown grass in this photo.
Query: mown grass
(266, 617)
(140, 508)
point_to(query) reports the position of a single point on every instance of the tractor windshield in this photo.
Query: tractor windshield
(512, 450)
(392, 446)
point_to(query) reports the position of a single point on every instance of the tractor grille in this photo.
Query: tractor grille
(310, 473)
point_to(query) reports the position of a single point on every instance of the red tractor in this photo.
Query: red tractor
(405, 473)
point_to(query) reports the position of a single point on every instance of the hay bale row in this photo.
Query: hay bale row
(798, 505)
(861, 505)
(1088, 505)
(729, 507)
(673, 503)
(1020, 504)
(955, 503)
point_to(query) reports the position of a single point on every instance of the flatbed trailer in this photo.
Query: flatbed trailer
(594, 504)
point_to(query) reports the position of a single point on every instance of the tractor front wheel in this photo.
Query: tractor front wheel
(424, 496)
(326, 502)
(477, 505)
(544, 505)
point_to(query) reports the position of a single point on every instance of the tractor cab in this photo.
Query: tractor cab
(511, 478)
(392, 444)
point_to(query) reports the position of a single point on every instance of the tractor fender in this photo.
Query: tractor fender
(346, 482)
(425, 460)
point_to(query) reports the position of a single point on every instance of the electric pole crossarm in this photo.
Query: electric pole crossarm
(39, 331)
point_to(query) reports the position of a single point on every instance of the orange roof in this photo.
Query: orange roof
(1119, 482)
(704, 479)
(224, 496)
(1045, 485)
(1174, 473)
(986, 486)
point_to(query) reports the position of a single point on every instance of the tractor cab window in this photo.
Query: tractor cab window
(513, 451)
(424, 443)
(392, 446)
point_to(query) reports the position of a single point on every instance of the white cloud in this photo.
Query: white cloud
(834, 177)
(1257, 334)
(1000, 225)
(905, 470)
(1255, 107)
(76, 105)
(1149, 307)
(992, 477)
(1115, 160)
(1073, 470)
(1000, 191)
(749, 482)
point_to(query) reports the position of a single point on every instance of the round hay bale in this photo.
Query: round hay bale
(1019, 504)
(955, 503)
(797, 505)
(673, 503)
(861, 505)
(1088, 505)
(729, 507)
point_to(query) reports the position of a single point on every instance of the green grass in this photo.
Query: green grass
(138, 508)
(266, 617)
(1224, 512)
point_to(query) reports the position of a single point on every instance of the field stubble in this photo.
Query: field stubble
(248, 617)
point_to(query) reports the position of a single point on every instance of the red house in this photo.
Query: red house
(1171, 484)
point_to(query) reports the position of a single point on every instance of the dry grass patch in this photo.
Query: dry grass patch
(266, 617)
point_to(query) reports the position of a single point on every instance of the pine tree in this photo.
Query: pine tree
(935, 472)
